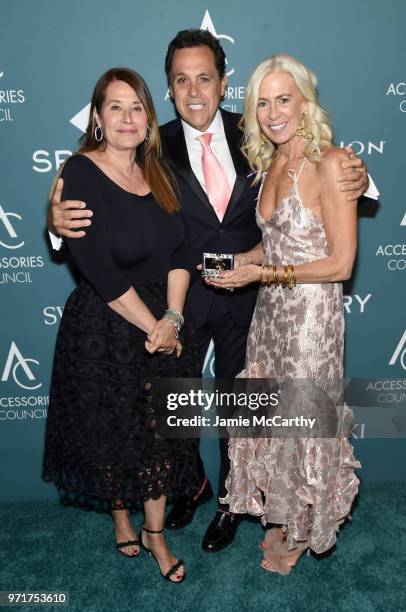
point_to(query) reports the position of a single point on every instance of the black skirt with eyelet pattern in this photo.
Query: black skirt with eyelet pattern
(100, 448)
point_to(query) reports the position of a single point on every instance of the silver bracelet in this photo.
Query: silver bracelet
(177, 330)
(174, 317)
(175, 313)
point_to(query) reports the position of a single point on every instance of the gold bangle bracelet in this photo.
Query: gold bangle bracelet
(263, 272)
(268, 276)
(290, 279)
(285, 277)
(288, 276)
(293, 277)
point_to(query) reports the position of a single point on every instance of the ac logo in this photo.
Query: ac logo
(19, 368)
(81, 118)
(4, 217)
(400, 352)
(209, 361)
(207, 24)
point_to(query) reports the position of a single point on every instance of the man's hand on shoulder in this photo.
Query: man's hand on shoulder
(354, 177)
(67, 216)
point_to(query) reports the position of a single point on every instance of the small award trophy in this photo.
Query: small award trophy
(215, 263)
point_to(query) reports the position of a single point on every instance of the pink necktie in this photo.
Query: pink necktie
(217, 186)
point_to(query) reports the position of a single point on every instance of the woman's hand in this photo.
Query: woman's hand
(240, 260)
(178, 348)
(162, 338)
(239, 277)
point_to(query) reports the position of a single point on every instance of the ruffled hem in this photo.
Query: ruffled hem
(311, 499)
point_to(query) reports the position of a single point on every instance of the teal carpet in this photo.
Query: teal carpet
(46, 547)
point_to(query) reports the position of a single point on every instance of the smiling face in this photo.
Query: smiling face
(196, 87)
(280, 107)
(122, 117)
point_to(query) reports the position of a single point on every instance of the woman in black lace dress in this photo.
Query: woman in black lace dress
(120, 325)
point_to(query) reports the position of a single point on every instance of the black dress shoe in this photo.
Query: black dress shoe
(183, 510)
(221, 531)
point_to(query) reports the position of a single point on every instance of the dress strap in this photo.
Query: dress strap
(292, 174)
(263, 176)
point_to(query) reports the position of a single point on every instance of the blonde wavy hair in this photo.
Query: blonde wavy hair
(260, 153)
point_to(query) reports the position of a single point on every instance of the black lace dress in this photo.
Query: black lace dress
(100, 448)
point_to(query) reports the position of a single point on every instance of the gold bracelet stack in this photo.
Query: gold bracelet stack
(289, 278)
(269, 276)
(265, 275)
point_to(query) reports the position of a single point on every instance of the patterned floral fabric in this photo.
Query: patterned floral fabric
(306, 484)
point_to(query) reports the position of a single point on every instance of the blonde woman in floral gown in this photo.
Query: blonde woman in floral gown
(304, 486)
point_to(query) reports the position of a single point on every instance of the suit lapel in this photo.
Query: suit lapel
(233, 136)
(177, 151)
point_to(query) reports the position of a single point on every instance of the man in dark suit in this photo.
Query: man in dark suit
(195, 67)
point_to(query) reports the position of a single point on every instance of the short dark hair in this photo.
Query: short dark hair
(186, 39)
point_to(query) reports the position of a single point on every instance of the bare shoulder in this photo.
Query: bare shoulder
(330, 164)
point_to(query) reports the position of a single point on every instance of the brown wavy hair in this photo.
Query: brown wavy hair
(149, 154)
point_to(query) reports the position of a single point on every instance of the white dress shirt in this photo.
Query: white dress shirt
(218, 145)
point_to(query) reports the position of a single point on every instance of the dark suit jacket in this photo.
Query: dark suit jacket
(236, 233)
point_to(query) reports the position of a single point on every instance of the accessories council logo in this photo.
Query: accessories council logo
(207, 24)
(18, 367)
(9, 99)
(400, 352)
(12, 236)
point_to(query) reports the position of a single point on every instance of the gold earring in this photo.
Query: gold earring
(264, 139)
(303, 131)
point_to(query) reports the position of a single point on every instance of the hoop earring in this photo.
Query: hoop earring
(303, 131)
(98, 134)
(148, 136)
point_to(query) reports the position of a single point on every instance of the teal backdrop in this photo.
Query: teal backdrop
(51, 54)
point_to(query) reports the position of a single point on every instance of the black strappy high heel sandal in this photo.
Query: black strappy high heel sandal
(121, 545)
(174, 567)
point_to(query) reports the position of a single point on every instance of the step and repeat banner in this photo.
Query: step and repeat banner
(51, 54)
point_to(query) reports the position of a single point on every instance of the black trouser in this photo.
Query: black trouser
(230, 345)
